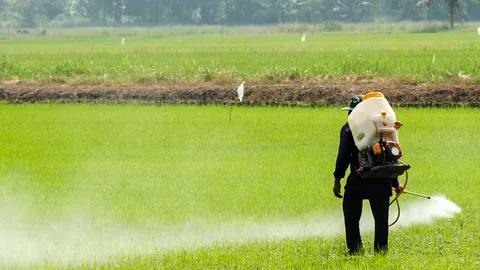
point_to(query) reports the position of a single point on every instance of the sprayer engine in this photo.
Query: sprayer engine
(382, 160)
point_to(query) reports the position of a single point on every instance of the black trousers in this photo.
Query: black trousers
(352, 211)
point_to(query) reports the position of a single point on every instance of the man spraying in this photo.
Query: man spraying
(366, 180)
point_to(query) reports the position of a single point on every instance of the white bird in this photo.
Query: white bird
(123, 41)
(240, 90)
(478, 30)
(304, 38)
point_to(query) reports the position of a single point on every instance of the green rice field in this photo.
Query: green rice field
(181, 187)
(172, 58)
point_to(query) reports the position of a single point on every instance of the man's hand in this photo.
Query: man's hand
(336, 188)
(398, 189)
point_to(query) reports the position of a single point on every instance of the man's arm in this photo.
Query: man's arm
(344, 153)
(343, 159)
(395, 183)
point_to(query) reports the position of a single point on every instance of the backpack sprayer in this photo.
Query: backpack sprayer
(375, 132)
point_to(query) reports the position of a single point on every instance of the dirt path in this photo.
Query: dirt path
(308, 94)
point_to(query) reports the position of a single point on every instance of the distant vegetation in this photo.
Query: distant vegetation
(66, 13)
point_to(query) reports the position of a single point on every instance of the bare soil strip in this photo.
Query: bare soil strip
(290, 93)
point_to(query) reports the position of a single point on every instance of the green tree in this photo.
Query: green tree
(453, 8)
(22, 12)
(287, 10)
(118, 10)
(89, 9)
(353, 9)
(51, 8)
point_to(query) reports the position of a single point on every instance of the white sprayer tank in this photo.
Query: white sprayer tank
(370, 117)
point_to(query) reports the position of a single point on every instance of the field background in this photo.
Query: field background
(89, 183)
(410, 53)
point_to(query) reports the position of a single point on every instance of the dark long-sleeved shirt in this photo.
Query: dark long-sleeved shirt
(348, 156)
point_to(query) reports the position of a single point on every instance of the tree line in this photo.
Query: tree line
(32, 13)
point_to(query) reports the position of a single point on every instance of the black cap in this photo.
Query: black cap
(353, 103)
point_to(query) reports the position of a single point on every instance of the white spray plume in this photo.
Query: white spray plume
(424, 211)
(82, 240)
(79, 239)
(433, 59)
(123, 41)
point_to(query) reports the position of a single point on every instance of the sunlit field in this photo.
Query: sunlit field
(221, 55)
(126, 186)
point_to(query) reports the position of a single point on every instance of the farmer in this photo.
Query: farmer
(357, 189)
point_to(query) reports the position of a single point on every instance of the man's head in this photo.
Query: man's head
(353, 103)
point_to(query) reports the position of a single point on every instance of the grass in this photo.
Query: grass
(268, 57)
(202, 30)
(124, 186)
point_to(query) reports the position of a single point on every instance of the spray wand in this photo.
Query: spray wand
(406, 192)
(416, 194)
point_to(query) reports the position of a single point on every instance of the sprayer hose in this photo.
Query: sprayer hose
(396, 199)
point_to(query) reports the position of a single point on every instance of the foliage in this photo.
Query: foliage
(31, 13)
(453, 8)
(353, 9)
